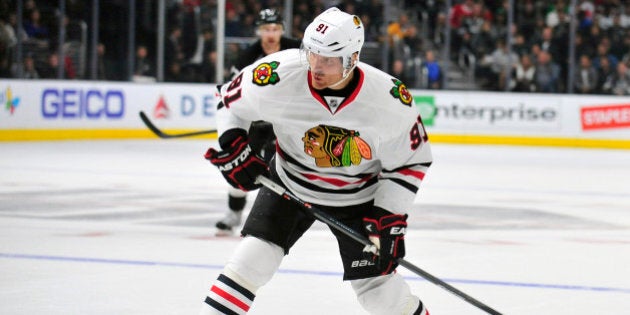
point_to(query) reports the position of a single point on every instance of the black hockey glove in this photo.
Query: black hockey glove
(238, 163)
(387, 232)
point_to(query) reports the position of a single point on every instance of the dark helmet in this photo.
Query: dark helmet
(269, 16)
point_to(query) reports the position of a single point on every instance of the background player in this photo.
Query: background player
(350, 140)
(270, 30)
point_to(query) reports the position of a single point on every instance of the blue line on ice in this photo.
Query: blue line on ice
(303, 272)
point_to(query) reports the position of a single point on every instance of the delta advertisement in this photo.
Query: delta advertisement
(83, 107)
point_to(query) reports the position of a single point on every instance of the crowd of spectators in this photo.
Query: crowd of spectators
(539, 60)
(536, 60)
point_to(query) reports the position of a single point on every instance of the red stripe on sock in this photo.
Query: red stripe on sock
(230, 298)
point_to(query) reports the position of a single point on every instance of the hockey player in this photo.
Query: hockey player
(270, 30)
(349, 140)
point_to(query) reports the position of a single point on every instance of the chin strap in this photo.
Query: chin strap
(346, 74)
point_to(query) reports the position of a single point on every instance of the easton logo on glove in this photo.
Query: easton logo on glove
(243, 157)
(238, 162)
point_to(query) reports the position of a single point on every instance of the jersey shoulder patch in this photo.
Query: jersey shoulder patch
(269, 70)
(400, 92)
(265, 73)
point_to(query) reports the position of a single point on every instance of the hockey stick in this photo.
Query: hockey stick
(334, 223)
(165, 135)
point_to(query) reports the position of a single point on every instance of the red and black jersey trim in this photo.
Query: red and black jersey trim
(350, 92)
(404, 184)
(367, 179)
(406, 170)
(308, 185)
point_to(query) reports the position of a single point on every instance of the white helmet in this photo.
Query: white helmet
(335, 33)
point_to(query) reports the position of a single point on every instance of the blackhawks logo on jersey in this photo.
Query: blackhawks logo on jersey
(264, 73)
(399, 91)
(335, 147)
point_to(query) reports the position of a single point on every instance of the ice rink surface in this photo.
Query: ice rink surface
(126, 227)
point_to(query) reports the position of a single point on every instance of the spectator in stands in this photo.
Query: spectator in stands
(398, 71)
(520, 46)
(625, 58)
(440, 27)
(474, 22)
(433, 71)
(233, 25)
(403, 36)
(585, 22)
(8, 40)
(50, 69)
(457, 15)
(209, 57)
(556, 14)
(208, 66)
(549, 44)
(459, 12)
(29, 71)
(372, 33)
(466, 55)
(617, 33)
(582, 47)
(484, 42)
(523, 75)
(562, 29)
(173, 50)
(619, 82)
(604, 72)
(603, 16)
(625, 17)
(534, 52)
(173, 53)
(526, 16)
(502, 62)
(144, 70)
(585, 80)
(33, 26)
(174, 72)
(603, 52)
(547, 74)
(101, 68)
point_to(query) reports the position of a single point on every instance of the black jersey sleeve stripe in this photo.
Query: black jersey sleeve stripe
(403, 183)
(407, 166)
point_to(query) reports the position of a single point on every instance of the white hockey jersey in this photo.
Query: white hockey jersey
(335, 151)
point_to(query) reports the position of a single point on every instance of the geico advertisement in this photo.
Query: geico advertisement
(506, 113)
(83, 104)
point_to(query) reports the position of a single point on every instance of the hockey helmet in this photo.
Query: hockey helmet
(335, 33)
(269, 16)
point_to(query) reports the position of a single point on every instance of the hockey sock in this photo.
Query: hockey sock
(228, 297)
(421, 310)
(236, 203)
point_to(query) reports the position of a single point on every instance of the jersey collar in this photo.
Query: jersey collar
(334, 103)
